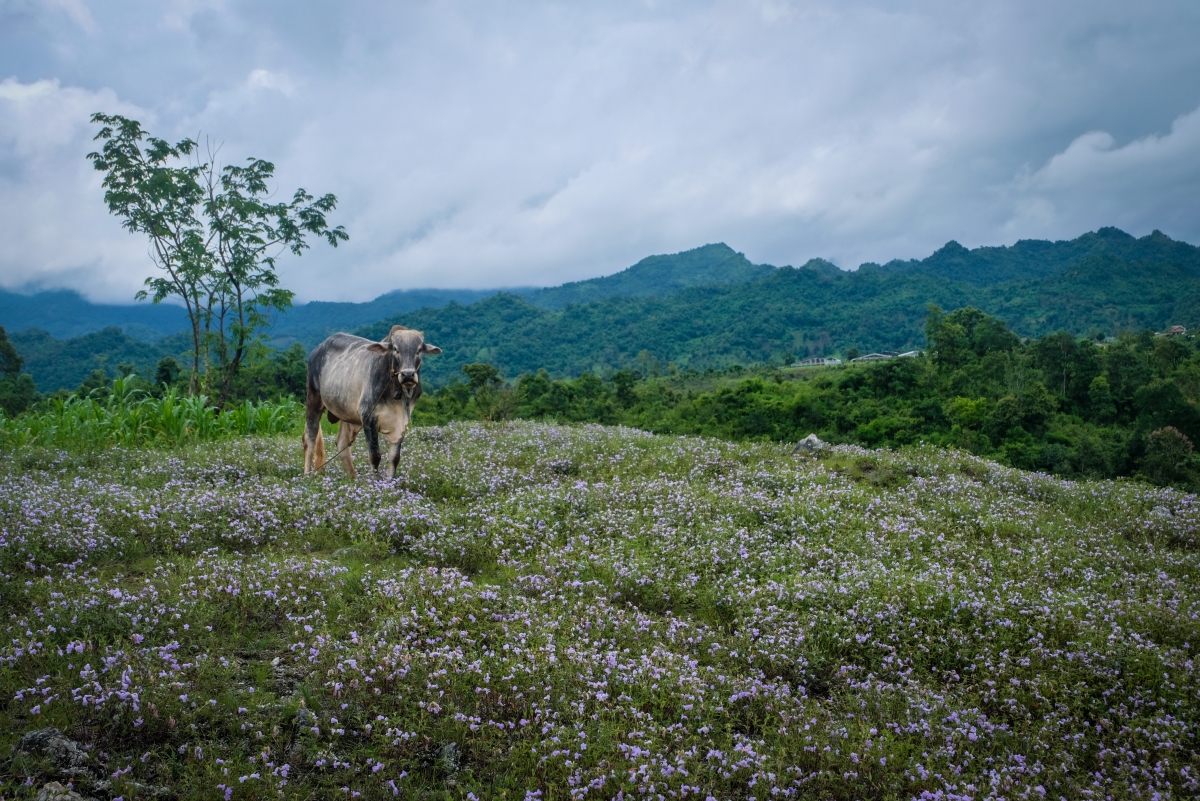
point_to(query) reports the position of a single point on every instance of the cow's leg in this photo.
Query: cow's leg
(371, 432)
(347, 433)
(394, 454)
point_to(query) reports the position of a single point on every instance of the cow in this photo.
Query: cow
(363, 386)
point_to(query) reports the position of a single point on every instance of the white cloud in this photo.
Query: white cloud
(1149, 182)
(480, 145)
(56, 229)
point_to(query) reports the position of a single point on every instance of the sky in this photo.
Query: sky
(491, 144)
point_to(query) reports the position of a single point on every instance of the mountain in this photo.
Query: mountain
(65, 363)
(816, 308)
(658, 276)
(309, 323)
(1100, 283)
(1031, 259)
(1105, 282)
(64, 314)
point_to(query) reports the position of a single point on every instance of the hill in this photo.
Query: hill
(817, 309)
(1100, 283)
(1032, 259)
(65, 314)
(64, 363)
(309, 323)
(533, 610)
(658, 276)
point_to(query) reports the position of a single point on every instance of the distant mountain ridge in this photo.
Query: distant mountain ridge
(658, 276)
(65, 314)
(309, 323)
(710, 307)
(1098, 284)
(1030, 259)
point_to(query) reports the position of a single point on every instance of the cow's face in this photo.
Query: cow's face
(405, 348)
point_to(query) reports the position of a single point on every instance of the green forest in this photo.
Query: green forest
(712, 308)
(1049, 360)
(1071, 406)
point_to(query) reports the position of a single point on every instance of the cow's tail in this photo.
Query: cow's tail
(314, 450)
(314, 443)
(320, 448)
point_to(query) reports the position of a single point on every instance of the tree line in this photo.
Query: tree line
(1073, 406)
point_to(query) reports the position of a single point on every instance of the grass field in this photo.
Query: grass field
(531, 611)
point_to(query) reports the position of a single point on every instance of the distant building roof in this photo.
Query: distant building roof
(817, 361)
(877, 357)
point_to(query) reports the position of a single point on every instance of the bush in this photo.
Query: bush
(1169, 458)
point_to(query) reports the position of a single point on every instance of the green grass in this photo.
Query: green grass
(131, 418)
(588, 611)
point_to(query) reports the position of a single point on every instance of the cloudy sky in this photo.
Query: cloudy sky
(483, 144)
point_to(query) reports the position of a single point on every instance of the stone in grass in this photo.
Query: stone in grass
(812, 445)
(449, 758)
(63, 754)
(305, 719)
(56, 792)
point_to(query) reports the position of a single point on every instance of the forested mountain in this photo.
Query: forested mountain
(1031, 259)
(1110, 282)
(736, 312)
(64, 363)
(658, 276)
(65, 314)
(309, 323)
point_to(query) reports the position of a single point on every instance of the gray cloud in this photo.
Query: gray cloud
(482, 144)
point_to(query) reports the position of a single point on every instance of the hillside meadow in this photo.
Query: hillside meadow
(535, 611)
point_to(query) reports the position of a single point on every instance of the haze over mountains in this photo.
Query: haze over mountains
(707, 307)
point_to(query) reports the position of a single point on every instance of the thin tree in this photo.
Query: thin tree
(214, 236)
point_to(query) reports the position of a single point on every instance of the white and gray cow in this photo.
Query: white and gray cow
(363, 386)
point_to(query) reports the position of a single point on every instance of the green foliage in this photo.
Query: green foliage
(126, 414)
(1059, 404)
(58, 364)
(1169, 458)
(93, 360)
(214, 236)
(17, 392)
(1107, 282)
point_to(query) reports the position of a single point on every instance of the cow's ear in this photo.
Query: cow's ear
(376, 347)
(427, 348)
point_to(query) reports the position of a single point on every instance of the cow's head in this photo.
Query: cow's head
(405, 347)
